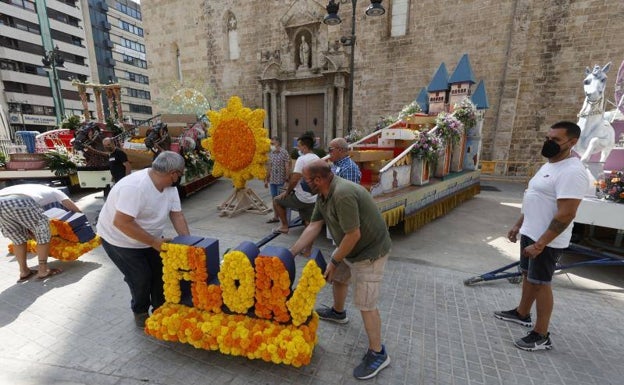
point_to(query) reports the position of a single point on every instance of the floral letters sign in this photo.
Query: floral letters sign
(245, 306)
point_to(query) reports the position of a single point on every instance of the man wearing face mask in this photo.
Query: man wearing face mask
(297, 196)
(548, 209)
(278, 172)
(131, 225)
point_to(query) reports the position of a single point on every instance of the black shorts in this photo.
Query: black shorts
(540, 269)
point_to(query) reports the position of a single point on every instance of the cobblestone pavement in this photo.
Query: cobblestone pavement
(76, 328)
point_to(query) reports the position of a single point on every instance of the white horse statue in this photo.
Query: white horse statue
(597, 134)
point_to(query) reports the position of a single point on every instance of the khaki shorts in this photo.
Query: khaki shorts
(367, 276)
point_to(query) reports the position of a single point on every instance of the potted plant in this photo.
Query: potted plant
(424, 154)
(62, 162)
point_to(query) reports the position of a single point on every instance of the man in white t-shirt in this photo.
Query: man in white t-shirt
(21, 215)
(548, 209)
(295, 196)
(131, 225)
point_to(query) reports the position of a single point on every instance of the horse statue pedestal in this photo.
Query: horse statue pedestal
(244, 199)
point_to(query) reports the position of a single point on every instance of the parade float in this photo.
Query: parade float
(426, 162)
(244, 305)
(601, 148)
(75, 156)
(179, 132)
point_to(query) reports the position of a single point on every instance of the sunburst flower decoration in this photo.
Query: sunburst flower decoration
(238, 142)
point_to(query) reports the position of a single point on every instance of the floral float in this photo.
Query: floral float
(244, 307)
(238, 143)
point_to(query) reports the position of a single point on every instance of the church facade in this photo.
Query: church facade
(280, 56)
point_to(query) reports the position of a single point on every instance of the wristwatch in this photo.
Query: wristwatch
(335, 262)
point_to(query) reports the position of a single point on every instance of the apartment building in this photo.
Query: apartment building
(32, 30)
(119, 43)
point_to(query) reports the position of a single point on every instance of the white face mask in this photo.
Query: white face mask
(300, 152)
(272, 148)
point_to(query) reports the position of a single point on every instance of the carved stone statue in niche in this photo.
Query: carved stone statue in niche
(304, 53)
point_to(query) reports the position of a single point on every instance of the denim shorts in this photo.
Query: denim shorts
(540, 269)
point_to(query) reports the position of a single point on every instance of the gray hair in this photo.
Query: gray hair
(168, 161)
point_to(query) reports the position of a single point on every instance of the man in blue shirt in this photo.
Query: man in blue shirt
(343, 165)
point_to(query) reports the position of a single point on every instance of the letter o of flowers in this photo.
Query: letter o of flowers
(237, 282)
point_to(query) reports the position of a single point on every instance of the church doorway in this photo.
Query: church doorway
(305, 113)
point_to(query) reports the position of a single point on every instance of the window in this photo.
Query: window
(140, 109)
(137, 78)
(400, 11)
(130, 28)
(134, 61)
(128, 10)
(133, 45)
(141, 94)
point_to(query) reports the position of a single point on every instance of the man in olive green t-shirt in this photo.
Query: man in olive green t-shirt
(361, 234)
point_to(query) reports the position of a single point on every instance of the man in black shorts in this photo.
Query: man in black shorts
(548, 209)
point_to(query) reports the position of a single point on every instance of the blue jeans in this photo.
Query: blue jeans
(275, 189)
(142, 270)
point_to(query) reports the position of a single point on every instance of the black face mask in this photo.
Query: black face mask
(550, 148)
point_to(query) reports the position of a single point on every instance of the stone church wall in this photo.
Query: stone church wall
(531, 55)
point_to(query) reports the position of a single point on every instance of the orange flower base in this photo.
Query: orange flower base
(62, 249)
(235, 334)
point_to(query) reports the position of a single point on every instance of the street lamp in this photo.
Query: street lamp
(332, 18)
(51, 60)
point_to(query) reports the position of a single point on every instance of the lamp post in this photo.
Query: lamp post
(51, 60)
(332, 18)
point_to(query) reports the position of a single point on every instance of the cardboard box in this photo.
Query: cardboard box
(375, 165)
(398, 133)
(141, 131)
(381, 142)
(178, 118)
(370, 155)
(176, 129)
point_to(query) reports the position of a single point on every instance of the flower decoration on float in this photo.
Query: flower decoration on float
(449, 127)
(238, 143)
(611, 186)
(427, 146)
(62, 249)
(466, 112)
(408, 110)
(248, 312)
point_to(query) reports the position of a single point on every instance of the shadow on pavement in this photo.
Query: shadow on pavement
(20, 296)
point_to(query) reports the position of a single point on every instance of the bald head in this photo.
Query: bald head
(108, 144)
(317, 168)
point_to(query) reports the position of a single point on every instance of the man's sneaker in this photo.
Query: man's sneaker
(513, 316)
(534, 341)
(329, 314)
(371, 364)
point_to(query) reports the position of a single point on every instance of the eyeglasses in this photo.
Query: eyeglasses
(330, 149)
